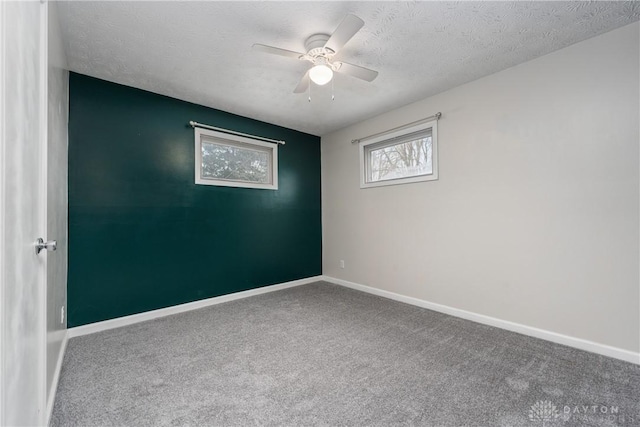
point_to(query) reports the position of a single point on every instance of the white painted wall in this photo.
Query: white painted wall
(57, 198)
(535, 216)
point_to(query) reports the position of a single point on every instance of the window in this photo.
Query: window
(235, 161)
(401, 157)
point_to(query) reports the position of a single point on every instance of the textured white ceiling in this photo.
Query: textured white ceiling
(201, 51)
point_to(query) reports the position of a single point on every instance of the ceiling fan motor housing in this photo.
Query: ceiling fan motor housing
(317, 53)
(316, 41)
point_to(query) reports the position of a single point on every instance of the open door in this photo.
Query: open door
(23, 156)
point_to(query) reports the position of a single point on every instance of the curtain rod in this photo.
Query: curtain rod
(233, 132)
(426, 119)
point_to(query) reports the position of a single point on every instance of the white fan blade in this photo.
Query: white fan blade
(276, 51)
(303, 85)
(349, 26)
(357, 71)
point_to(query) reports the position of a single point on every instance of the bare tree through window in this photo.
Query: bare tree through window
(409, 158)
(227, 160)
(234, 163)
(402, 155)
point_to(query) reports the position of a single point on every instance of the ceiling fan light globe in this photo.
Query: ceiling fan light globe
(321, 74)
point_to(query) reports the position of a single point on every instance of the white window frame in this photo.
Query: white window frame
(395, 134)
(221, 138)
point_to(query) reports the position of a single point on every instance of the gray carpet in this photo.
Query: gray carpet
(321, 354)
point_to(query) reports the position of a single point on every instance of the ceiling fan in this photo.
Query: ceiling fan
(321, 49)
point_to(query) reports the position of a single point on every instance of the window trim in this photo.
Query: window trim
(236, 140)
(433, 124)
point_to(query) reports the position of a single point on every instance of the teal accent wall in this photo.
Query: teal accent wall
(143, 236)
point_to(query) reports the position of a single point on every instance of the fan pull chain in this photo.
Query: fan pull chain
(309, 91)
(333, 97)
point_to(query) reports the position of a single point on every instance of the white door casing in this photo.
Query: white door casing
(23, 155)
(57, 200)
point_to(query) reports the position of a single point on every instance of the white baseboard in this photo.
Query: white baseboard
(56, 377)
(582, 344)
(181, 308)
(579, 343)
